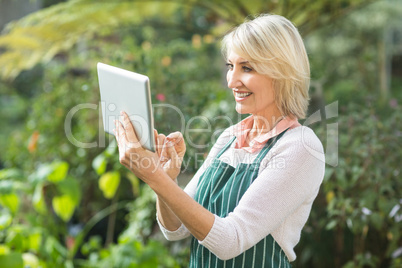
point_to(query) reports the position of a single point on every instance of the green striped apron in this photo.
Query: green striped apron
(219, 190)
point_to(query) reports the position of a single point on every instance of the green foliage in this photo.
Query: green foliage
(63, 206)
(58, 171)
(108, 183)
(132, 254)
(40, 36)
(12, 260)
(342, 62)
(10, 201)
(48, 183)
(357, 211)
(356, 218)
(141, 217)
(63, 177)
(134, 248)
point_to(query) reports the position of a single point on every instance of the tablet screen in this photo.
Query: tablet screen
(122, 90)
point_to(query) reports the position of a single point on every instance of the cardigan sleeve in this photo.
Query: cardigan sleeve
(281, 195)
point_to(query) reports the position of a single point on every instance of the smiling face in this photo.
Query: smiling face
(254, 92)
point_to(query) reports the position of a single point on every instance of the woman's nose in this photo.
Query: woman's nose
(233, 79)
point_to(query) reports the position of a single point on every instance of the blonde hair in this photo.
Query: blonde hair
(274, 47)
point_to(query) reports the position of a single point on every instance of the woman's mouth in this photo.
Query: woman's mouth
(240, 96)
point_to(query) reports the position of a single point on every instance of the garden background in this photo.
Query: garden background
(63, 205)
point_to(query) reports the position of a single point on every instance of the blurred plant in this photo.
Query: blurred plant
(356, 219)
(54, 194)
(134, 247)
(42, 35)
(60, 191)
(131, 254)
(348, 56)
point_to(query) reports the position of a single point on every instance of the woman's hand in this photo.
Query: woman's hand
(171, 150)
(142, 162)
(146, 166)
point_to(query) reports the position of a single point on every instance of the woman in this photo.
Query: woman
(249, 201)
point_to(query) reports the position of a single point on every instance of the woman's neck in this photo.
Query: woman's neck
(263, 123)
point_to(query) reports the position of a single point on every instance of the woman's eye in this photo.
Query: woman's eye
(229, 66)
(247, 69)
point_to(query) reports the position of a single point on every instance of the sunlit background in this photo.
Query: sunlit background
(66, 206)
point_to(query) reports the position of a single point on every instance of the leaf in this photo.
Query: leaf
(63, 206)
(331, 225)
(4, 250)
(99, 164)
(111, 149)
(11, 173)
(71, 188)
(135, 183)
(41, 174)
(376, 220)
(6, 187)
(38, 200)
(5, 220)
(53, 246)
(30, 260)
(15, 237)
(59, 171)
(12, 260)
(10, 201)
(108, 183)
(35, 241)
(330, 196)
(39, 36)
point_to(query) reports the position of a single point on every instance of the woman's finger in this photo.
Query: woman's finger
(176, 160)
(117, 131)
(161, 140)
(164, 156)
(176, 136)
(156, 139)
(178, 141)
(158, 146)
(129, 132)
(129, 128)
(120, 136)
(181, 147)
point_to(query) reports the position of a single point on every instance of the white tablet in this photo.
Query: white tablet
(122, 90)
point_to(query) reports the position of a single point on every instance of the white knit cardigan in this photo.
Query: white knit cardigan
(278, 202)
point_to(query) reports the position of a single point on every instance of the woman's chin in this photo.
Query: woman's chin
(241, 110)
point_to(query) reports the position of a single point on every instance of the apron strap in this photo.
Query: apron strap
(226, 146)
(270, 143)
